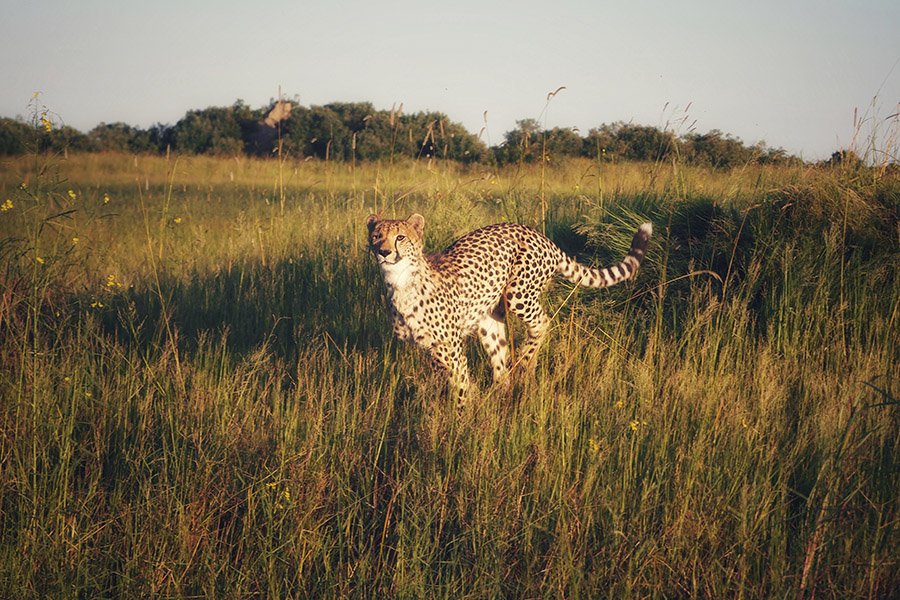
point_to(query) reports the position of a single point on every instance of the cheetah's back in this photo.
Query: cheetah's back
(484, 263)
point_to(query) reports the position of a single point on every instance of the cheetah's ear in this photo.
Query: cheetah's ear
(417, 222)
(371, 222)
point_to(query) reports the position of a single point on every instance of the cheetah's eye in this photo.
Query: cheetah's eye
(400, 238)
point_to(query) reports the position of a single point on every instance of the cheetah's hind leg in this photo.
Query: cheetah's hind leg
(492, 333)
(536, 321)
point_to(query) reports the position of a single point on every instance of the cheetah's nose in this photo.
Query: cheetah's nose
(383, 251)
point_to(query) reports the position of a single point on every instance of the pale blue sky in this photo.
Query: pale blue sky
(789, 73)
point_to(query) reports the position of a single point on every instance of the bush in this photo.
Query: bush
(617, 141)
(640, 142)
(64, 139)
(14, 136)
(214, 130)
(350, 131)
(120, 137)
(717, 150)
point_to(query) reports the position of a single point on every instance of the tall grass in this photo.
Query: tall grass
(200, 397)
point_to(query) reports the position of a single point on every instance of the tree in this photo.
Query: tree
(374, 141)
(120, 137)
(521, 143)
(642, 142)
(844, 158)
(718, 150)
(318, 132)
(559, 142)
(214, 130)
(433, 134)
(14, 136)
(600, 143)
(64, 139)
(354, 115)
(455, 142)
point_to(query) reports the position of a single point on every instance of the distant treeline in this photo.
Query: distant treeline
(357, 131)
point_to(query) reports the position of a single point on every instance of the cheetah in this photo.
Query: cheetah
(437, 300)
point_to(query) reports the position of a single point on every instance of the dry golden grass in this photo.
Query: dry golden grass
(200, 395)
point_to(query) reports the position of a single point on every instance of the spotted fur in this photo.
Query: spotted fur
(437, 300)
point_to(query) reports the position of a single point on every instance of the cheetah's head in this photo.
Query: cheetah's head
(393, 240)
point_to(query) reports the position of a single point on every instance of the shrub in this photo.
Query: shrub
(121, 137)
(13, 136)
(214, 130)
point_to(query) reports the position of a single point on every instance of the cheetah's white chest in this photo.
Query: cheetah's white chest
(398, 275)
(401, 279)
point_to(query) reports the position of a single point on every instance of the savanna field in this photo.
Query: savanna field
(200, 396)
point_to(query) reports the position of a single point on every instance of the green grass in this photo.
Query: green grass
(200, 397)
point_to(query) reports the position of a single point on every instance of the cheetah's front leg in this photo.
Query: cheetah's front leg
(450, 356)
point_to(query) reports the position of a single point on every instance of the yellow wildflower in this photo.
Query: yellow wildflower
(283, 499)
(635, 424)
(178, 220)
(6, 205)
(105, 198)
(72, 194)
(620, 404)
(39, 260)
(75, 240)
(46, 124)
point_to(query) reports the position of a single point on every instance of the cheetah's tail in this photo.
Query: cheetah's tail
(607, 276)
